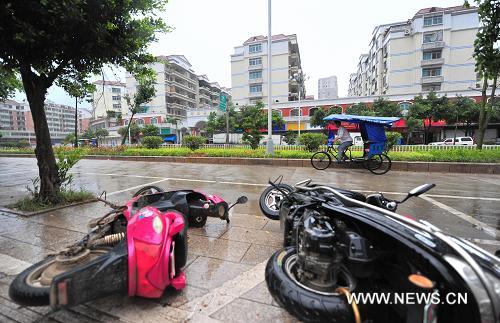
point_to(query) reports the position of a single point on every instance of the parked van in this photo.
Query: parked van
(459, 141)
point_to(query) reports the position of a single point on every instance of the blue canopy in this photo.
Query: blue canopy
(387, 121)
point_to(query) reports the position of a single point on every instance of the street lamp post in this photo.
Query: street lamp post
(270, 144)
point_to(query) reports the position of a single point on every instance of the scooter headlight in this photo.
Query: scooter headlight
(157, 225)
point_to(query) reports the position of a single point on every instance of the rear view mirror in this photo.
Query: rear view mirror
(420, 190)
(242, 200)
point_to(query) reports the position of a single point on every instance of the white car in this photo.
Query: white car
(459, 141)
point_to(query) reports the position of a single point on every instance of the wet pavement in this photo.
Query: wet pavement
(226, 261)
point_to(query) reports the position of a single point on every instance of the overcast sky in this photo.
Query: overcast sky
(331, 34)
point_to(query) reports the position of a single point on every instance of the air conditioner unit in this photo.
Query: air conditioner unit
(407, 31)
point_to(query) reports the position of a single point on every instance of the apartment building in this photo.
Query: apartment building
(327, 88)
(109, 96)
(176, 87)
(249, 70)
(430, 52)
(16, 122)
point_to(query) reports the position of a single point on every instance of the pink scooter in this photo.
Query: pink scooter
(139, 249)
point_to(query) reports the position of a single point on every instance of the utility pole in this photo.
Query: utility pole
(75, 144)
(270, 144)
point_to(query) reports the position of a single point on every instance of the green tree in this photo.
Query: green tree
(385, 108)
(317, 118)
(427, 109)
(290, 137)
(135, 132)
(252, 121)
(53, 41)
(69, 139)
(9, 82)
(460, 110)
(150, 130)
(79, 89)
(145, 91)
(360, 109)
(88, 134)
(99, 134)
(487, 56)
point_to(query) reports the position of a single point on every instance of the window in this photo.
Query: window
(117, 106)
(154, 121)
(433, 20)
(256, 88)
(435, 71)
(311, 111)
(294, 113)
(405, 107)
(432, 55)
(116, 98)
(139, 121)
(255, 75)
(255, 48)
(255, 61)
(116, 90)
(466, 139)
(431, 87)
(433, 36)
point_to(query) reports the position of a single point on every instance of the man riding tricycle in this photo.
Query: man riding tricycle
(372, 130)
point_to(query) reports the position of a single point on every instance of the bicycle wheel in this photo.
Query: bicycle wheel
(321, 160)
(379, 164)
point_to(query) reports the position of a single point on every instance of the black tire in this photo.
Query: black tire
(379, 164)
(197, 221)
(27, 295)
(145, 189)
(269, 211)
(181, 249)
(321, 160)
(304, 304)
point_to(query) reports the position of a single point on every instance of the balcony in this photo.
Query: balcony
(255, 80)
(255, 67)
(428, 62)
(431, 79)
(433, 45)
(255, 94)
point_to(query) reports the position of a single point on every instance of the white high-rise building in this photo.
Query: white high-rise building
(109, 96)
(249, 70)
(431, 51)
(327, 88)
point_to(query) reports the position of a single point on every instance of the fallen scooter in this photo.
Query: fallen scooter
(139, 248)
(340, 244)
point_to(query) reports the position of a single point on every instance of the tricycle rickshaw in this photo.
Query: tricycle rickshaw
(372, 130)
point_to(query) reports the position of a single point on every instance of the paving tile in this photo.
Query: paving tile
(16, 312)
(248, 221)
(71, 316)
(242, 310)
(22, 250)
(175, 298)
(260, 294)
(257, 254)
(217, 248)
(213, 228)
(209, 273)
(272, 225)
(267, 238)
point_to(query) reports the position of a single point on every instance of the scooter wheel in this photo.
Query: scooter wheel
(23, 293)
(304, 303)
(150, 189)
(181, 249)
(197, 221)
(270, 199)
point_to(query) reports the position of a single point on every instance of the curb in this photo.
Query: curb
(409, 166)
(28, 214)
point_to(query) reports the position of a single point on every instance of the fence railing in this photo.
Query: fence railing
(396, 148)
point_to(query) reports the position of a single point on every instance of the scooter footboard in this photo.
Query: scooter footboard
(101, 277)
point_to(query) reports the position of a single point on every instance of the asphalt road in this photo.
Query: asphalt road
(222, 256)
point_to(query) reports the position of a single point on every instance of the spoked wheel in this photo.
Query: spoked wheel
(379, 164)
(321, 160)
(150, 189)
(270, 201)
(32, 286)
(304, 302)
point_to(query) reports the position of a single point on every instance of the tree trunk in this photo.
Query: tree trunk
(35, 88)
(128, 127)
(482, 115)
(76, 123)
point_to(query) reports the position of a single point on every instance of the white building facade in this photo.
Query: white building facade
(249, 70)
(109, 96)
(430, 52)
(327, 88)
